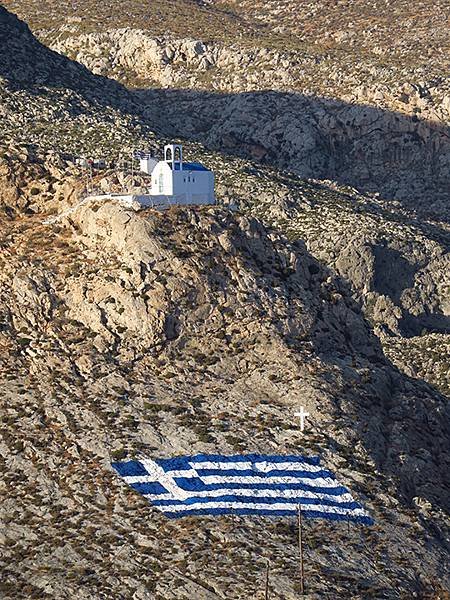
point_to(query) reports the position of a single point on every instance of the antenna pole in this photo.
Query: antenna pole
(266, 595)
(300, 549)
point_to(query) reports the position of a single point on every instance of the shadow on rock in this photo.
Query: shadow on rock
(375, 150)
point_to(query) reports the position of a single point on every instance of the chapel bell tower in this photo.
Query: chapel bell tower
(173, 154)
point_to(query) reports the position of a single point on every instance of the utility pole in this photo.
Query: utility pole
(90, 177)
(300, 549)
(122, 168)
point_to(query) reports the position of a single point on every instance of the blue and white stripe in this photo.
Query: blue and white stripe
(242, 485)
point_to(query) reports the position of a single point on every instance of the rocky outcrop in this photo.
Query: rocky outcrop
(134, 239)
(135, 56)
(31, 182)
(177, 62)
(402, 286)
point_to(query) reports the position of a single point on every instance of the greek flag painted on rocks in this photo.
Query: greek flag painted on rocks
(253, 484)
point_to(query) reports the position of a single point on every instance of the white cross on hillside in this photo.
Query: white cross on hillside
(302, 414)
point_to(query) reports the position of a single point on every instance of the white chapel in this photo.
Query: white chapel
(179, 182)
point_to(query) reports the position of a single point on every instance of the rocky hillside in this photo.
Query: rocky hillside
(52, 102)
(382, 33)
(373, 150)
(357, 236)
(139, 58)
(195, 330)
(341, 104)
(124, 333)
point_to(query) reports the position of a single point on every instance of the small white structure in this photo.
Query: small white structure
(178, 182)
(173, 183)
(147, 163)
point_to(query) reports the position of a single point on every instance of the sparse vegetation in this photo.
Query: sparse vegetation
(128, 335)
